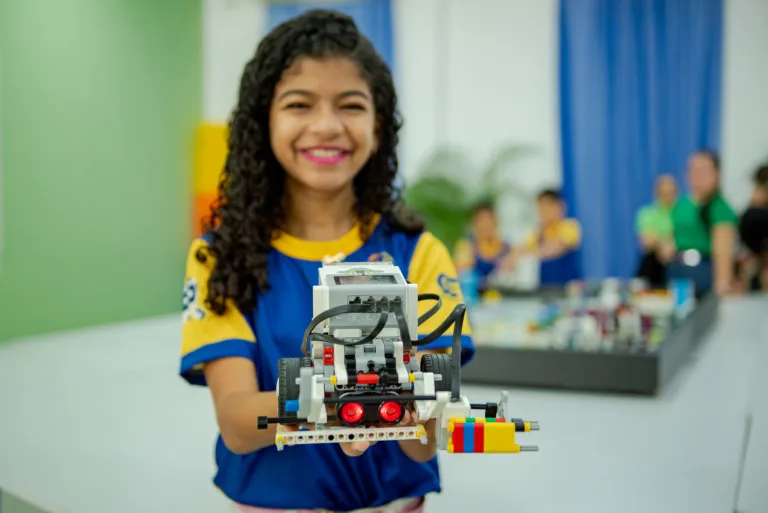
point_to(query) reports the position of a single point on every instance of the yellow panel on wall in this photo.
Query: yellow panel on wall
(210, 157)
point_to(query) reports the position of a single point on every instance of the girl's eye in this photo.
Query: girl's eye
(353, 106)
(297, 105)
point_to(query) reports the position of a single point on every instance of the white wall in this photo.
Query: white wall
(231, 31)
(745, 88)
(483, 73)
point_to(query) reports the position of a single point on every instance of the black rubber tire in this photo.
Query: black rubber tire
(438, 364)
(288, 369)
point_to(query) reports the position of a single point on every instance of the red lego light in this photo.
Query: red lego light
(390, 412)
(407, 357)
(352, 413)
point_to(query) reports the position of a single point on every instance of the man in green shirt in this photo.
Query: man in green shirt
(655, 230)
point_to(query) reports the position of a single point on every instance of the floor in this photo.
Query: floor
(97, 421)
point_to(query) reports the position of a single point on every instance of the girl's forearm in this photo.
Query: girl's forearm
(722, 245)
(238, 415)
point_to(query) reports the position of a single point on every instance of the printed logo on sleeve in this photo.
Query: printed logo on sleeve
(450, 286)
(191, 310)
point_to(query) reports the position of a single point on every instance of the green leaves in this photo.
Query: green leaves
(449, 185)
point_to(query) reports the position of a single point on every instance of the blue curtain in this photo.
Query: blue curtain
(640, 89)
(373, 18)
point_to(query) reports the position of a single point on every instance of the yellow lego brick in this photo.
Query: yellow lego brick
(450, 446)
(500, 438)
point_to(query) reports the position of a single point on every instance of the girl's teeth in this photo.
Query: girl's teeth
(325, 153)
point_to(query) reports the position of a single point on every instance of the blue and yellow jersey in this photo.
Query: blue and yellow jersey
(484, 257)
(313, 476)
(563, 268)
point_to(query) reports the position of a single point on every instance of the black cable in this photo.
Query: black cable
(368, 338)
(339, 310)
(432, 311)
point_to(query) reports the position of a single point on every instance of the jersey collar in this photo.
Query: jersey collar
(336, 249)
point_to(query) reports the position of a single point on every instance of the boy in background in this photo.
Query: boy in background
(555, 243)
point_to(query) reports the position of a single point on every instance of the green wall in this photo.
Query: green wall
(98, 104)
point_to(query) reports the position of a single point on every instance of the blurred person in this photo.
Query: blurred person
(555, 242)
(484, 250)
(704, 225)
(654, 229)
(309, 173)
(753, 232)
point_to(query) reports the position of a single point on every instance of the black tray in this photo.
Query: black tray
(620, 372)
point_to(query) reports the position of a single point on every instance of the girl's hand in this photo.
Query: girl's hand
(666, 251)
(723, 287)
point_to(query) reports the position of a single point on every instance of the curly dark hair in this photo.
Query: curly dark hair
(249, 210)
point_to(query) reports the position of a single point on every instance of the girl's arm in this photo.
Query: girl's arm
(722, 252)
(239, 404)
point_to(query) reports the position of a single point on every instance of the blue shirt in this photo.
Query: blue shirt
(321, 475)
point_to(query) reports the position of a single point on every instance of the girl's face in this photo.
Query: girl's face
(702, 175)
(322, 123)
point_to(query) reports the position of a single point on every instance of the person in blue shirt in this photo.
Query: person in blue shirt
(308, 179)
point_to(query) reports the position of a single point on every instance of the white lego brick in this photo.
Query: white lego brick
(458, 409)
(317, 411)
(402, 372)
(345, 434)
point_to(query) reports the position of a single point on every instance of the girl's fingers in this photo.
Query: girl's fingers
(354, 448)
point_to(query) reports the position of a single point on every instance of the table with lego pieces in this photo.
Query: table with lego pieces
(611, 336)
(632, 322)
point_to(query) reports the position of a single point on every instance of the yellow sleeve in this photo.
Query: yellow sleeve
(570, 233)
(464, 255)
(531, 242)
(206, 336)
(432, 270)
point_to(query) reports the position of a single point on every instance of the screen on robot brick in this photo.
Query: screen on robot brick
(364, 279)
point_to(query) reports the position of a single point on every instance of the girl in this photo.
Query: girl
(704, 227)
(309, 178)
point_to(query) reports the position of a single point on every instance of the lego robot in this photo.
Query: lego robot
(360, 372)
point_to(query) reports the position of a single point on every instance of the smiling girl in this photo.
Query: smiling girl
(309, 178)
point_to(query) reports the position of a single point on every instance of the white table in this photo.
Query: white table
(98, 421)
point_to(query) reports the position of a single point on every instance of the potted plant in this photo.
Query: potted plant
(449, 185)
